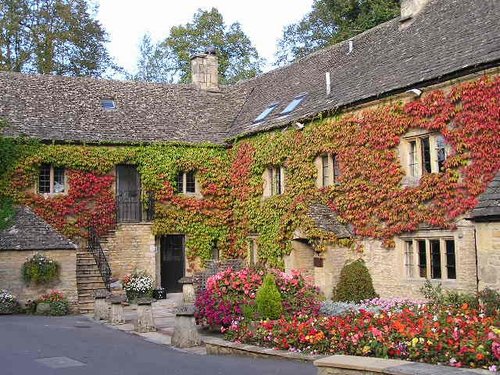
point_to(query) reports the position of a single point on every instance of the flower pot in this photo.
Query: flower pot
(160, 293)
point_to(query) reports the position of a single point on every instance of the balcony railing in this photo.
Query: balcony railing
(132, 209)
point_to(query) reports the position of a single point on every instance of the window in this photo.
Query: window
(293, 104)
(328, 170)
(186, 182)
(108, 104)
(274, 181)
(423, 153)
(51, 179)
(266, 112)
(436, 258)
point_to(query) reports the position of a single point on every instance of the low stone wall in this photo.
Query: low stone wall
(11, 262)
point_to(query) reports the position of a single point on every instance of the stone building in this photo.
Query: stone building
(383, 147)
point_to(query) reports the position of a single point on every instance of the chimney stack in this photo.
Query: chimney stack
(205, 70)
(410, 8)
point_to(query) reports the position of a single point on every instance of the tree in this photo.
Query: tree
(155, 63)
(332, 21)
(238, 59)
(52, 37)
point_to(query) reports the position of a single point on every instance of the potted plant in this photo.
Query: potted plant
(138, 284)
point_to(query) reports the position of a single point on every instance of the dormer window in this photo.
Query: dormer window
(108, 104)
(51, 180)
(293, 104)
(186, 183)
(266, 112)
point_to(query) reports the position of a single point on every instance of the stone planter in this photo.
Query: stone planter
(43, 308)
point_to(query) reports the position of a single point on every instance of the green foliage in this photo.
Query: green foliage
(268, 299)
(52, 37)
(39, 270)
(58, 305)
(490, 299)
(170, 60)
(8, 303)
(6, 212)
(355, 283)
(332, 21)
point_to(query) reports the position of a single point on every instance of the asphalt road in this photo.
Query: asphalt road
(74, 345)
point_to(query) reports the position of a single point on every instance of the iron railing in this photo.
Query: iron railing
(94, 247)
(132, 209)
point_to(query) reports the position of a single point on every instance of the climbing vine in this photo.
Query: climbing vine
(231, 207)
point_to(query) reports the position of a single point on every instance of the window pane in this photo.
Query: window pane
(325, 169)
(58, 180)
(422, 258)
(336, 169)
(413, 158)
(265, 113)
(278, 180)
(450, 259)
(409, 258)
(180, 182)
(435, 259)
(426, 155)
(44, 179)
(190, 182)
(441, 152)
(292, 105)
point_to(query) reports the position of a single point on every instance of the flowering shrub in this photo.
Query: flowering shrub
(457, 336)
(8, 302)
(39, 269)
(229, 291)
(138, 284)
(58, 304)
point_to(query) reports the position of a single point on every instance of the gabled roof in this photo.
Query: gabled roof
(326, 219)
(447, 38)
(488, 208)
(29, 232)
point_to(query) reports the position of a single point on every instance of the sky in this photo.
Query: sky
(126, 21)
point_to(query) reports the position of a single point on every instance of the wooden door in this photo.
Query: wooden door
(128, 194)
(172, 262)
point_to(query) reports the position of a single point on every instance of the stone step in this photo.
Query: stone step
(89, 279)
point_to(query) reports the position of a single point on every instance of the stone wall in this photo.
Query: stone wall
(131, 246)
(11, 262)
(387, 266)
(488, 252)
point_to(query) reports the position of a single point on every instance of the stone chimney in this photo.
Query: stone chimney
(205, 70)
(410, 8)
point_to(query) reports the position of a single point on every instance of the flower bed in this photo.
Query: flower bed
(137, 285)
(457, 336)
(53, 303)
(229, 293)
(8, 302)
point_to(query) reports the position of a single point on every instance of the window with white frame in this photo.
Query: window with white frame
(51, 179)
(274, 181)
(328, 170)
(186, 183)
(430, 258)
(423, 152)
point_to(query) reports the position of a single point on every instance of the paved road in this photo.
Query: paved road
(75, 345)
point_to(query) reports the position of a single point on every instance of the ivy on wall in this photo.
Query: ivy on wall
(370, 195)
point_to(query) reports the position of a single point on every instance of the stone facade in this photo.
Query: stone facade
(488, 253)
(131, 246)
(204, 72)
(11, 262)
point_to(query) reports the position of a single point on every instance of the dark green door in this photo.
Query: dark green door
(172, 262)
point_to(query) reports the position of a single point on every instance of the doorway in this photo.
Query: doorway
(128, 194)
(172, 254)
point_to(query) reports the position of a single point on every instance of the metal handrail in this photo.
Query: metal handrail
(94, 247)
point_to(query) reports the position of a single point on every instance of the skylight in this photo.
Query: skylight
(293, 104)
(108, 104)
(265, 112)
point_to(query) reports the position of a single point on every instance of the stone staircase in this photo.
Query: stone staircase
(88, 279)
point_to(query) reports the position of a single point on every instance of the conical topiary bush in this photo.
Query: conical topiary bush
(355, 283)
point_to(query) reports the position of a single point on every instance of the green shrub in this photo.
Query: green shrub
(268, 299)
(355, 283)
(40, 270)
(490, 299)
(8, 303)
(59, 305)
(435, 294)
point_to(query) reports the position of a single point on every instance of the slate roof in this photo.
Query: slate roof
(326, 219)
(449, 37)
(69, 109)
(446, 37)
(488, 208)
(29, 232)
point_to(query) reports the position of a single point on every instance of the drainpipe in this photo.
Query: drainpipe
(477, 261)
